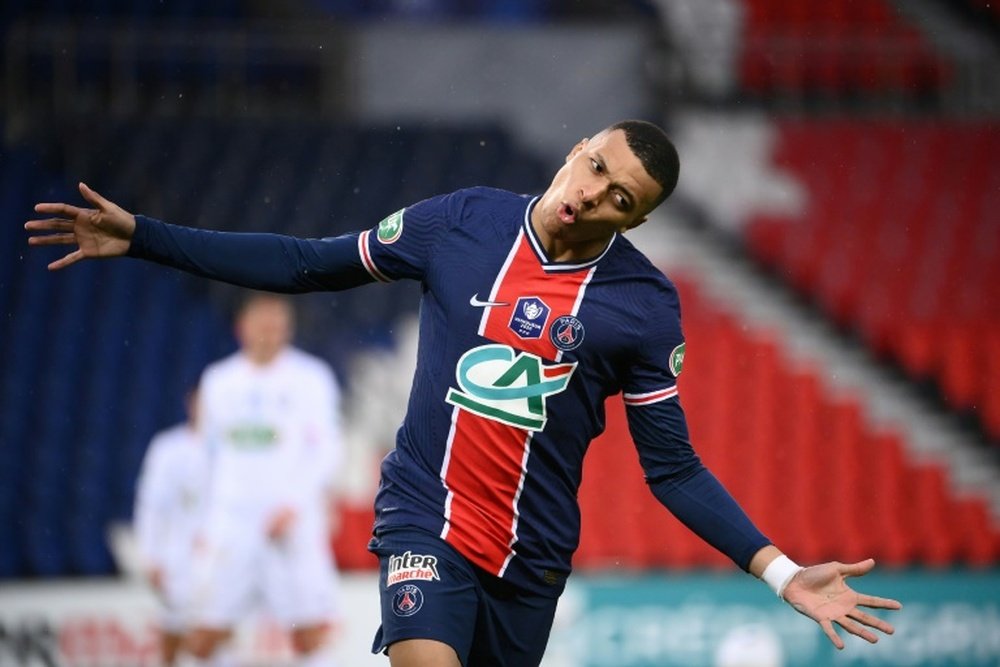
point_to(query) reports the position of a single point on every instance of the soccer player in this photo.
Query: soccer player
(535, 310)
(168, 512)
(269, 416)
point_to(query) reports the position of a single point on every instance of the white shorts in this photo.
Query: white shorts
(295, 579)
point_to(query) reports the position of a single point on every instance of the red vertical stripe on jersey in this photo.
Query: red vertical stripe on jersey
(487, 459)
(483, 476)
(525, 277)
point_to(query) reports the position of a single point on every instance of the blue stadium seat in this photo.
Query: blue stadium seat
(143, 333)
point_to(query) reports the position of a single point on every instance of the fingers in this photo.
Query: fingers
(857, 569)
(857, 630)
(63, 210)
(53, 239)
(71, 258)
(64, 229)
(49, 225)
(831, 634)
(872, 621)
(876, 602)
(94, 198)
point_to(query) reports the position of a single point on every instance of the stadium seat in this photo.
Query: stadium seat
(835, 49)
(789, 452)
(940, 538)
(917, 281)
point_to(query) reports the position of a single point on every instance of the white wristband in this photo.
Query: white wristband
(779, 572)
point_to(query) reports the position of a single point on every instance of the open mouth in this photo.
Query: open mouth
(567, 213)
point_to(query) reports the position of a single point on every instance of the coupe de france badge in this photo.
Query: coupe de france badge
(566, 333)
(529, 318)
(390, 229)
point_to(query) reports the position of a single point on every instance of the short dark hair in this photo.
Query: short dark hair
(655, 151)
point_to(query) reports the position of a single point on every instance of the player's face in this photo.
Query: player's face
(264, 328)
(601, 189)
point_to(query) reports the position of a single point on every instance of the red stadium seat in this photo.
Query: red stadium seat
(834, 48)
(933, 506)
(980, 541)
(960, 370)
(810, 469)
(352, 532)
(896, 540)
(897, 242)
(990, 405)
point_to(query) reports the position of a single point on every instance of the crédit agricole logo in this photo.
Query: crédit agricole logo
(502, 384)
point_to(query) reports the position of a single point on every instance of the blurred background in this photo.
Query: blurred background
(835, 237)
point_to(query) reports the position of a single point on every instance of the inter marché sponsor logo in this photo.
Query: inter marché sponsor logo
(410, 567)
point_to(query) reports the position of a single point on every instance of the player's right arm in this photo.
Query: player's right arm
(104, 231)
(271, 262)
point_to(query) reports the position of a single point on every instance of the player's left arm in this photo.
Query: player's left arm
(690, 491)
(821, 593)
(682, 483)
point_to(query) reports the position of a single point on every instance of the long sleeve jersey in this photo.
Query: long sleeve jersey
(517, 354)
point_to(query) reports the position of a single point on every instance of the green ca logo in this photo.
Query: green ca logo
(507, 386)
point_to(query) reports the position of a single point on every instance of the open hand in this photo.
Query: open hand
(821, 593)
(104, 231)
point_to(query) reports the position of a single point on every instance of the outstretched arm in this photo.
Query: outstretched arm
(821, 593)
(103, 231)
(259, 261)
(689, 490)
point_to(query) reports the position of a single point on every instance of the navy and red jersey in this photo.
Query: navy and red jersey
(517, 354)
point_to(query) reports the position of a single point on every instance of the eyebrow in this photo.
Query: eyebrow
(629, 197)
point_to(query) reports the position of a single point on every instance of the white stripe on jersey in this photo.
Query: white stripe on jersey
(650, 396)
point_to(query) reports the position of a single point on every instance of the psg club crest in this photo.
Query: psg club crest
(566, 333)
(407, 601)
(529, 318)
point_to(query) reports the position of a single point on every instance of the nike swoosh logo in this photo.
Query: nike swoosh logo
(476, 303)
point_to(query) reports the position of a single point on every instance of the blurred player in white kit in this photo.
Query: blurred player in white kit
(168, 514)
(269, 416)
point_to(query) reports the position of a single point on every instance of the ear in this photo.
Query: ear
(576, 149)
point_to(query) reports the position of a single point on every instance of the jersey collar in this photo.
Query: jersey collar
(543, 258)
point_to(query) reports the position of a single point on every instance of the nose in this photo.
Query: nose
(591, 192)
